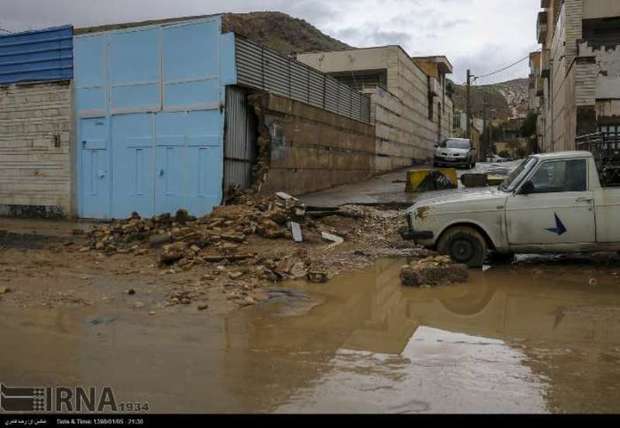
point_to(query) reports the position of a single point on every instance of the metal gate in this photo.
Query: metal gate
(240, 142)
(150, 111)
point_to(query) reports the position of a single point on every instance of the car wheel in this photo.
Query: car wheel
(465, 245)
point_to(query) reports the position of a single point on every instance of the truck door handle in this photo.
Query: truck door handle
(161, 172)
(584, 200)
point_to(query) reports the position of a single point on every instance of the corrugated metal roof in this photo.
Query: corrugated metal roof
(40, 55)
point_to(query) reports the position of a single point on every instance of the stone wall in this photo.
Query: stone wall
(35, 149)
(303, 149)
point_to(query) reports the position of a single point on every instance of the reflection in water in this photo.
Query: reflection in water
(437, 372)
(512, 340)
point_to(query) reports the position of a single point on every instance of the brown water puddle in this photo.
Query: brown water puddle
(515, 339)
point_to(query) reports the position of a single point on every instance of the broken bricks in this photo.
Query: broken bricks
(318, 277)
(173, 253)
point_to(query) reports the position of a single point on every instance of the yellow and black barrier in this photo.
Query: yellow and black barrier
(426, 180)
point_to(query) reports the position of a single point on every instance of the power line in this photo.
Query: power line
(503, 69)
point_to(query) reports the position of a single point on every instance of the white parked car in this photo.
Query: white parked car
(455, 152)
(551, 203)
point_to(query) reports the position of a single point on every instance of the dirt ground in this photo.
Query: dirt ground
(59, 271)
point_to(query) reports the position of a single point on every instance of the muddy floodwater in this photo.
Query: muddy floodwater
(514, 339)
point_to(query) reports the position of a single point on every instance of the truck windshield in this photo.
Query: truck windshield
(514, 179)
(456, 144)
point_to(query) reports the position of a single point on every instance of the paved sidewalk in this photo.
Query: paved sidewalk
(388, 189)
(384, 189)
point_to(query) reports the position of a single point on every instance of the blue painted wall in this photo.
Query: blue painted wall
(150, 112)
(35, 56)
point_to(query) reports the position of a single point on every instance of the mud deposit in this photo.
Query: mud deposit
(513, 339)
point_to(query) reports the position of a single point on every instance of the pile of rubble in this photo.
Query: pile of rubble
(220, 236)
(432, 272)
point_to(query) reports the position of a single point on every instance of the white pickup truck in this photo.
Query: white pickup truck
(552, 203)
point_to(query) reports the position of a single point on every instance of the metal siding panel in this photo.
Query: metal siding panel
(37, 56)
(317, 89)
(300, 82)
(228, 67)
(331, 94)
(94, 168)
(135, 70)
(132, 139)
(249, 60)
(191, 66)
(344, 100)
(189, 163)
(240, 142)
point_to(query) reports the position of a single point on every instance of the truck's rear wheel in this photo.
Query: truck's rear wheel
(464, 245)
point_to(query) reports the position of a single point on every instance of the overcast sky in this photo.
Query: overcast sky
(482, 34)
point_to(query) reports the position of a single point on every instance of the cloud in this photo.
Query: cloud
(483, 35)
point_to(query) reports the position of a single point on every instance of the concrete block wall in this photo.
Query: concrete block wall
(35, 149)
(310, 149)
(572, 22)
(413, 91)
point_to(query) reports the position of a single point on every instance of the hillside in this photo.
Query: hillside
(281, 32)
(508, 99)
(275, 30)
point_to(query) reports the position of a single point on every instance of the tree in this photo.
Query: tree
(528, 128)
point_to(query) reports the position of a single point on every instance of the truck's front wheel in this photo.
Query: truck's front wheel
(464, 245)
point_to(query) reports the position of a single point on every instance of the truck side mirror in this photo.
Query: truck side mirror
(527, 189)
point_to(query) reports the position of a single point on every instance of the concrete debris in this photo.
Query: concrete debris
(433, 271)
(235, 275)
(337, 240)
(4, 290)
(297, 233)
(318, 277)
(298, 271)
(186, 240)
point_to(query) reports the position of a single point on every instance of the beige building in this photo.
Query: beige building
(579, 70)
(410, 103)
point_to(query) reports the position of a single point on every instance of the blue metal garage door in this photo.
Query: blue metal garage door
(150, 110)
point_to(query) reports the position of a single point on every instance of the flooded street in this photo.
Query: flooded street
(514, 339)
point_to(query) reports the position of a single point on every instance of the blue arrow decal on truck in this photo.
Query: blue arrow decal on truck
(560, 229)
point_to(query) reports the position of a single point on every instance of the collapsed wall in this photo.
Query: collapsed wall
(302, 149)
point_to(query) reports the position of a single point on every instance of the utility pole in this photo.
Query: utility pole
(485, 134)
(469, 76)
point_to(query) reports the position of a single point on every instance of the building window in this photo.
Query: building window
(362, 80)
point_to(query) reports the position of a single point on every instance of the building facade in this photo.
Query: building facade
(411, 107)
(579, 71)
(165, 115)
